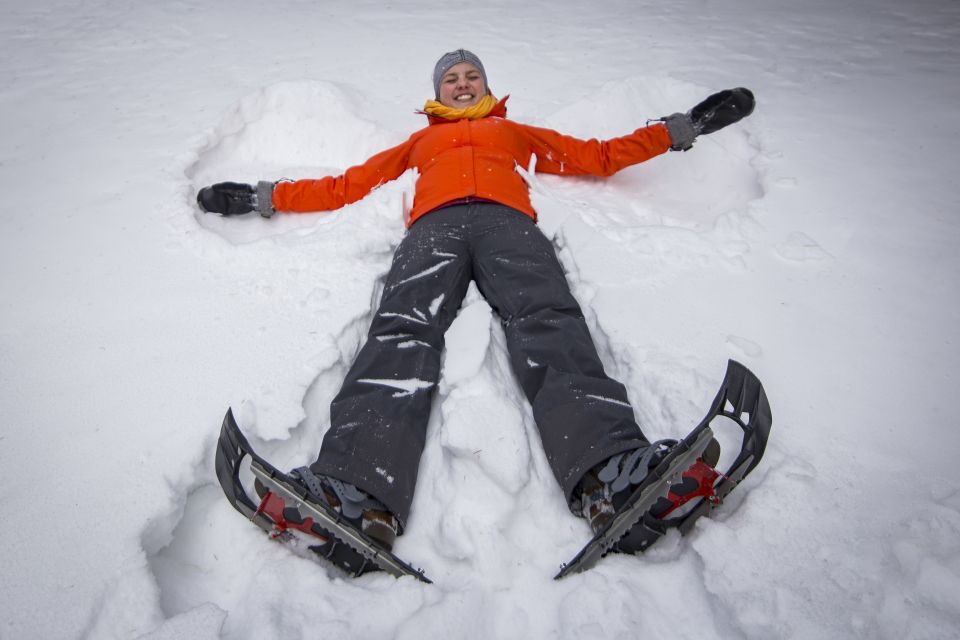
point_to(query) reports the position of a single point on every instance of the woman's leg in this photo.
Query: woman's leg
(584, 416)
(379, 417)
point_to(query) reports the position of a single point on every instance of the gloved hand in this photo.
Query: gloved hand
(233, 198)
(716, 112)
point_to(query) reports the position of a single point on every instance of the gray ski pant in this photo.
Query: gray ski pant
(379, 417)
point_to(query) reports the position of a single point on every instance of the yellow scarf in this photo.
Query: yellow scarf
(477, 111)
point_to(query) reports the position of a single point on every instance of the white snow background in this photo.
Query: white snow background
(817, 242)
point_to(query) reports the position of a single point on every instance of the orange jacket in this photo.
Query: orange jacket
(478, 158)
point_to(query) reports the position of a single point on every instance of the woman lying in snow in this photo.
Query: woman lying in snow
(472, 220)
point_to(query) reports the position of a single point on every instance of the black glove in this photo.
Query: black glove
(233, 198)
(714, 113)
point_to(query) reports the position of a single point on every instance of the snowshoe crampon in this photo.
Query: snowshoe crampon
(685, 486)
(288, 512)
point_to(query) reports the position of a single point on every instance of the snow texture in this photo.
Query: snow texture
(817, 242)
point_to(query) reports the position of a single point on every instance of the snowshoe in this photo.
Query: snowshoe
(683, 484)
(289, 511)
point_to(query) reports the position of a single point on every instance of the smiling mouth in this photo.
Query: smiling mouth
(464, 97)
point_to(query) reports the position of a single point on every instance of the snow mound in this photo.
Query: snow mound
(679, 190)
(288, 130)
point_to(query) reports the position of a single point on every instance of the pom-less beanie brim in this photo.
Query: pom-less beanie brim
(452, 58)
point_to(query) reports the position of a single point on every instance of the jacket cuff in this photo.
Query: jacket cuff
(682, 131)
(265, 198)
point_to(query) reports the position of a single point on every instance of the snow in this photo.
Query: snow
(403, 387)
(816, 242)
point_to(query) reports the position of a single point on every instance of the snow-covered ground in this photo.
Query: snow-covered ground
(817, 242)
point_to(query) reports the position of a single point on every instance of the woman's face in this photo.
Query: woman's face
(462, 86)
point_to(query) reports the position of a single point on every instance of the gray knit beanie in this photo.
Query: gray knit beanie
(447, 60)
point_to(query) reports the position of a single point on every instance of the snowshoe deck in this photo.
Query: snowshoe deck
(233, 447)
(741, 398)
